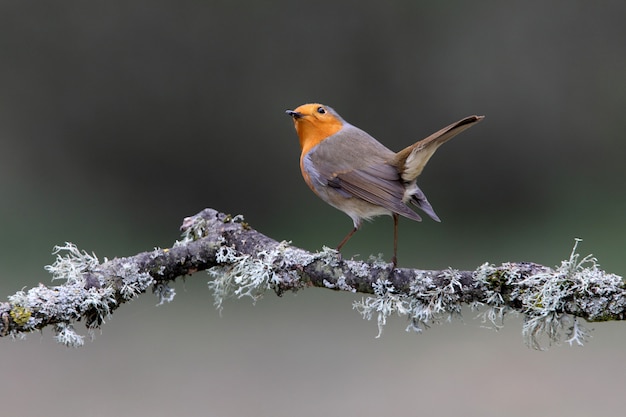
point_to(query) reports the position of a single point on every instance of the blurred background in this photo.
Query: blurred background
(120, 118)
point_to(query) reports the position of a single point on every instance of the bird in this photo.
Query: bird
(353, 172)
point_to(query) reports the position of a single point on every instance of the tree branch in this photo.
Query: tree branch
(244, 262)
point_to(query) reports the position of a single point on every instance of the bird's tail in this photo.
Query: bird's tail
(411, 160)
(416, 197)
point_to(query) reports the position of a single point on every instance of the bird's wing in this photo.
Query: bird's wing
(376, 184)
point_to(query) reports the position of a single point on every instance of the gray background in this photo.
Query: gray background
(118, 119)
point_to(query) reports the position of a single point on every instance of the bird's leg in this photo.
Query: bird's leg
(345, 239)
(394, 260)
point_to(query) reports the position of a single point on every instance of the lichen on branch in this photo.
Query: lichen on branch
(242, 262)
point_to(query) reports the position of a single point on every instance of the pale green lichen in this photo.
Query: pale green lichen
(300, 257)
(240, 275)
(74, 298)
(496, 308)
(84, 295)
(384, 303)
(98, 303)
(73, 265)
(425, 304)
(359, 269)
(430, 304)
(577, 285)
(329, 256)
(134, 282)
(66, 335)
(341, 284)
(62, 301)
(197, 227)
(442, 299)
(194, 228)
(577, 334)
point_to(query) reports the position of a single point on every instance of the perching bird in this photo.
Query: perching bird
(353, 172)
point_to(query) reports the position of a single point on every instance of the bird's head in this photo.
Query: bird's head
(315, 122)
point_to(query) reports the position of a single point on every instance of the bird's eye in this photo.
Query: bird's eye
(321, 110)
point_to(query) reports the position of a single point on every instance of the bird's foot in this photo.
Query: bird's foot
(339, 256)
(394, 263)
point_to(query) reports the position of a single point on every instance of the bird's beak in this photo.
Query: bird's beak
(294, 114)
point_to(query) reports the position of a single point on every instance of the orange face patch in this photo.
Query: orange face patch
(314, 124)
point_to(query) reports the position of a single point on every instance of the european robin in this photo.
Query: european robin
(353, 172)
